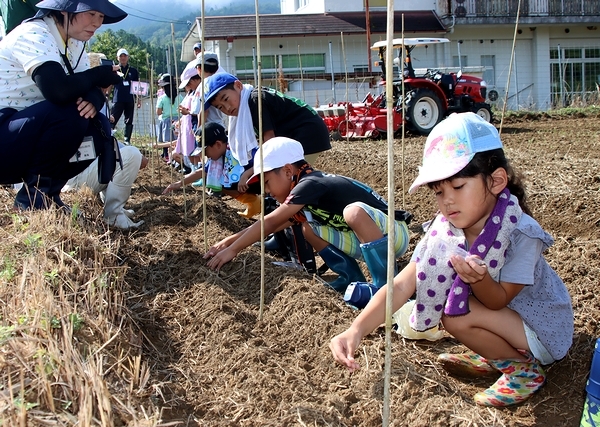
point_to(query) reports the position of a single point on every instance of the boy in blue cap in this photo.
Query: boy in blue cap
(343, 219)
(281, 116)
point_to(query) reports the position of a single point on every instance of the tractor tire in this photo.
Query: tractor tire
(484, 111)
(423, 111)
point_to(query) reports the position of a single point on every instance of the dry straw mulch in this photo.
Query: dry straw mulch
(107, 328)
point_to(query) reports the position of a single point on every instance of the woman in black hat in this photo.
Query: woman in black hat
(50, 128)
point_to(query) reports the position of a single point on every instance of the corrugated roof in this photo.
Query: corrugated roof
(244, 26)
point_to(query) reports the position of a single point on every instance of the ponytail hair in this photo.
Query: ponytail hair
(171, 92)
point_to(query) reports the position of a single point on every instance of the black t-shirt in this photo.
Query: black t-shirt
(290, 117)
(122, 91)
(325, 196)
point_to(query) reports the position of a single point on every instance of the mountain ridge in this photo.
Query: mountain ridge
(155, 26)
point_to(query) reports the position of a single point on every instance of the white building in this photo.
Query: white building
(315, 46)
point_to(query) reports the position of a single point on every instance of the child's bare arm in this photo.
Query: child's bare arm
(344, 345)
(232, 245)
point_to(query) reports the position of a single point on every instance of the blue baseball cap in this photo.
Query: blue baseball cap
(214, 84)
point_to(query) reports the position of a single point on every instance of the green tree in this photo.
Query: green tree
(140, 53)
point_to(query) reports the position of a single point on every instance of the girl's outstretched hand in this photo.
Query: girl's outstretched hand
(172, 187)
(217, 260)
(218, 247)
(470, 269)
(343, 347)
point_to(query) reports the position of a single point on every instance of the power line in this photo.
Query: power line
(149, 14)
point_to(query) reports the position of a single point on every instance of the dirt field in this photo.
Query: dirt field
(212, 362)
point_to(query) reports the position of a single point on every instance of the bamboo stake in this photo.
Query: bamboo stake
(391, 255)
(262, 175)
(179, 119)
(153, 159)
(301, 74)
(202, 122)
(403, 121)
(346, 76)
(512, 57)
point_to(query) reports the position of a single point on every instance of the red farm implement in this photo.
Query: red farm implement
(427, 99)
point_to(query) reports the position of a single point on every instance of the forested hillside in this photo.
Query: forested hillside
(153, 24)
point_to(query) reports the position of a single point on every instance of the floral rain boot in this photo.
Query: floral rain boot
(469, 365)
(519, 380)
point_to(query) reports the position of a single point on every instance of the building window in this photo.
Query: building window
(308, 63)
(375, 3)
(574, 75)
(489, 73)
(461, 63)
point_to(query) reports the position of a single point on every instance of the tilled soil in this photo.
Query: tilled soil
(216, 360)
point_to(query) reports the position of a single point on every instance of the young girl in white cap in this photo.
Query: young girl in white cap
(502, 300)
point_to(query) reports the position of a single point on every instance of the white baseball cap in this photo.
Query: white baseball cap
(206, 58)
(452, 144)
(122, 52)
(276, 152)
(186, 76)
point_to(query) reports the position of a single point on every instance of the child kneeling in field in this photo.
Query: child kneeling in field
(343, 219)
(224, 172)
(503, 300)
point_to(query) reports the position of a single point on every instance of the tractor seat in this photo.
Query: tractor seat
(447, 84)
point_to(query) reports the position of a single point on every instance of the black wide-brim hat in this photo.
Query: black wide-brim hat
(111, 12)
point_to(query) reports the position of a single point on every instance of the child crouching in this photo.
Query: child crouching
(343, 219)
(503, 301)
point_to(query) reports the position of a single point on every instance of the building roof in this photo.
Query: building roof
(244, 26)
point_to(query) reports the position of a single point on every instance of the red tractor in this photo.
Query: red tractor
(427, 99)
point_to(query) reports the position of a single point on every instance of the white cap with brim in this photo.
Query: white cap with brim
(164, 80)
(122, 52)
(206, 58)
(187, 75)
(452, 144)
(276, 152)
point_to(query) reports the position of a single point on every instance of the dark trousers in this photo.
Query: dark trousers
(117, 110)
(40, 140)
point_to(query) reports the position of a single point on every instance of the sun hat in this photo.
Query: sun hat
(186, 76)
(276, 152)
(209, 58)
(213, 132)
(452, 144)
(198, 46)
(122, 52)
(111, 12)
(165, 79)
(214, 84)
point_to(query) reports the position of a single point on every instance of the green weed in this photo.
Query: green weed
(8, 271)
(33, 241)
(6, 332)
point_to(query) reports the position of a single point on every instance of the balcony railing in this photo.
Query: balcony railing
(508, 8)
